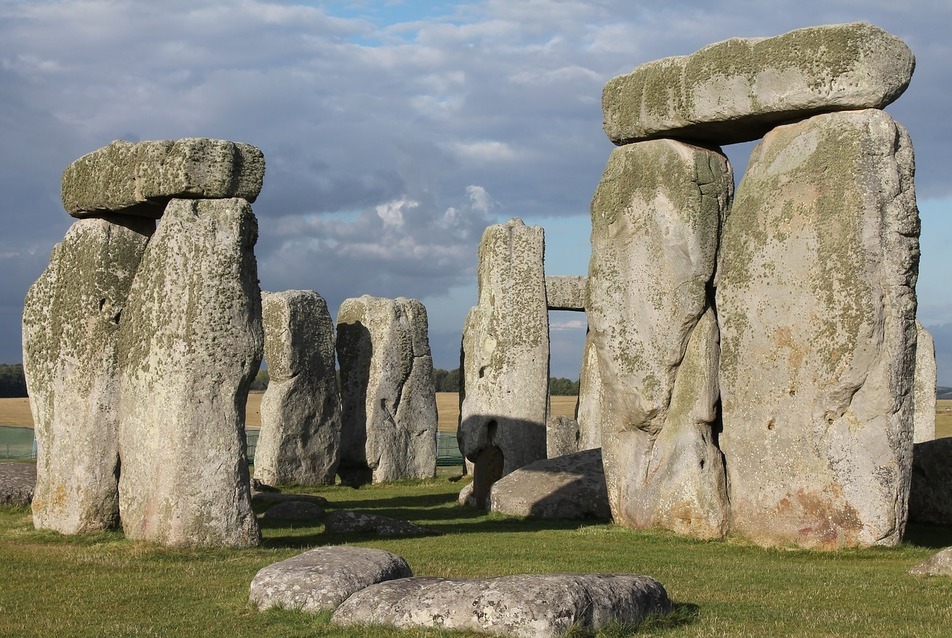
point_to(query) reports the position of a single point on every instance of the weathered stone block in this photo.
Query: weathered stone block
(566, 293)
(737, 90)
(561, 436)
(924, 387)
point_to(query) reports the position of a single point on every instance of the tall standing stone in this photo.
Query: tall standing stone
(816, 303)
(924, 387)
(299, 442)
(190, 345)
(505, 357)
(388, 403)
(656, 216)
(71, 321)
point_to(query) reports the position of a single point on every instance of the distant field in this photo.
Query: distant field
(16, 412)
(943, 418)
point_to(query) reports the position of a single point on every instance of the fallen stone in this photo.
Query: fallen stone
(924, 387)
(737, 90)
(293, 511)
(930, 493)
(561, 436)
(529, 606)
(567, 487)
(140, 178)
(17, 481)
(299, 440)
(566, 293)
(938, 565)
(348, 522)
(816, 304)
(190, 345)
(269, 498)
(322, 578)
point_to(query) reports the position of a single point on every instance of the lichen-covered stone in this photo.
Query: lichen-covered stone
(656, 216)
(737, 90)
(71, 320)
(816, 304)
(930, 492)
(524, 605)
(190, 345)
(924, 387)
(566, 293)
(388, 402)
(589, 399)
(505, 357)
(321, 579)
(561, 436)
(299, 441)
(141, 177)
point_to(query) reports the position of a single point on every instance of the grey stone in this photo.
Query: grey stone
(388, 403)
(656, 215)
(190, 345)
(938, 565)
(505, 360)
(570, 486)
(566, 293)
(293, 511)
(71, 320)
(141, 177)
(321, 579)
(528, 606)
(737, 90)
(17, 481)
(348, 522)
(816, 303)
(269, 498)
(561, 436)
(589, 393)
(924, 393)
(299, 441)
(930, 492)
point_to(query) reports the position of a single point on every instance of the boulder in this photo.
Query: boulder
(71, 322)
(528, 606)
(141, 177)
(938, 565)
(299, 441)
(388, 402)
(561, 436)
(321, 579)
(816, 304)
(190, 344)
(738, 89)
(570, 486)
(566, 293)
(930, 493)
(924, 387)
(270, 498)
(293, 511)
(656, 215)
(505, 357)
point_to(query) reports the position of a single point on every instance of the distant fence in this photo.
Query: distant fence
(447, 449)
(17, 443)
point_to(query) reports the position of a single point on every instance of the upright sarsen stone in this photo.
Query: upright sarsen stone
(656, 216)
(816, 304)
(71, 322)
(299, 441)
(190, 345)
(924, 387)
(388, 403)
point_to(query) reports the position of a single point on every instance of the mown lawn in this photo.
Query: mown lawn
(103, 585)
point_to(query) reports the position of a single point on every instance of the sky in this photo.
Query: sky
(395, 132)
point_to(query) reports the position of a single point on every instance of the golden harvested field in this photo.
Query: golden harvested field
(16, 412)
(943, 418)
(447, 404)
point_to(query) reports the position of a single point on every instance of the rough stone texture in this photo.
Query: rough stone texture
(141, 177)
(816, 303)
(938, 565)
(737, 90)
(270, 498)
(293, 511)
(529, 606)
(924, 387)
(348, 522)
(566, 293)
(561, 436)
(388, 403)
(571, 486)
(190, 345)
(299, 441)
(505, 357)
(930, 493)
(70, 358)
(322, 578)
(17, 481)
(656, 215)
(590, 389)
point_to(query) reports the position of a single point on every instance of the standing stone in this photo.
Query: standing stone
(190, 345)
(561, 436)
(816, 303)
(589, 393)
(505, 357)
(70, 358)
(656, 216)
(924, 400)
(299, 440)
(388, 403)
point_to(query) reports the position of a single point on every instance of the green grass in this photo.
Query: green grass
(104, 585)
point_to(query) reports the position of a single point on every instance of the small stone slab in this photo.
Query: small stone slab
(17, 481)
(930, 493)
(322, 578)
(938, 565)
(293, 511)
(266, 498)
(566, 293)
(347, 522)
(141, 177)
(570, 486)
(738, 89)
(530, 606)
